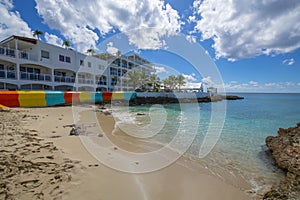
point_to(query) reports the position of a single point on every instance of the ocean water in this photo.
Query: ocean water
(241, 145)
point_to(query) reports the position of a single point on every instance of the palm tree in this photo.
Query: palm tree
(172, 81)
(119, 53)
(143, 80)
(90, 51)
(37, 33)
(154, 81)
(168, 83)
(180, 80)
(66, 44)
(133, 77)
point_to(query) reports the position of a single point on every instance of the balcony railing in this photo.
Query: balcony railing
(85, 81)
(4, 74)
(35, 77)
(101, 83)
(7, 74)
(7, 52)
(22, 54)
(64, 79)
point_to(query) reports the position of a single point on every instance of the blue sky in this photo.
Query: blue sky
(254, 44)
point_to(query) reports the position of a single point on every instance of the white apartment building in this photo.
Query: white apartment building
(30, 64)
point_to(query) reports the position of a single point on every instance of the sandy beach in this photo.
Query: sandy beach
(40, 160)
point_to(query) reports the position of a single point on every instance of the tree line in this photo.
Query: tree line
(140, 81)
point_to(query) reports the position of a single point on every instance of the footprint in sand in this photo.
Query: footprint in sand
(56, 191)
(30, 184)
(50, 157)
(93, 165)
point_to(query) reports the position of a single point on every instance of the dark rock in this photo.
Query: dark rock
(285, 149)
(170, 100)
(100, 135)
(231, 97)
(75, 131)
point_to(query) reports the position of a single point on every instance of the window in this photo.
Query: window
(113, 71)
(45, 54)
(1, 67)
(89, 64)
(113, 81)
(68, 59)
(81, 76)
(101, 67)
(37, 71)
(57, 73)
(81, 63)
(61, 58)
(11, 68)
(29, 69)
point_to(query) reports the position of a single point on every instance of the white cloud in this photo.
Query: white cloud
(192, 19)
(208, 80)
(189, 77)
(191, 38)
(192, 85)
(111, 49)
(266, 87)
(159, 70)
(253, 83)
(270, 84)
(289, 83)
(11, 22)
(242, 29)
(64, 16)
(53, 39)
(288, 61)
(79, 20)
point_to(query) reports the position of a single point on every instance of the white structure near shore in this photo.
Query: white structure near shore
(30, 64)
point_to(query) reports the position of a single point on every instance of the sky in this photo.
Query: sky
(254, 44)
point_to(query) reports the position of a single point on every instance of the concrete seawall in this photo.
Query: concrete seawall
(53, 98)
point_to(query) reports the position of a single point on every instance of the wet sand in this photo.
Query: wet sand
(62, 168)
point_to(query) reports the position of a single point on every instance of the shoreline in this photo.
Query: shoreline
(91, 179)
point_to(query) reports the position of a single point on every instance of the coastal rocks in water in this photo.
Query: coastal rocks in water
(169, 100)
(285, 149)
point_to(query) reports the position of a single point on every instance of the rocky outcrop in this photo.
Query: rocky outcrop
(168, 100)
(285, 149)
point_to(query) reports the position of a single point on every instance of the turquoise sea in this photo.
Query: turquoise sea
(241, 145)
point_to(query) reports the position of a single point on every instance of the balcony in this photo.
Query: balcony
(64, 79)
(7, 52)
(85, 81)
(21, 55)
(35, 77)
(4, 74)
(101, 83)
